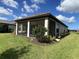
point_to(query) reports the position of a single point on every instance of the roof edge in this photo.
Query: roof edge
(48, 14)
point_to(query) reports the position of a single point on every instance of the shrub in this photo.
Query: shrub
(46, 39)
(39, 32)
(49, 39)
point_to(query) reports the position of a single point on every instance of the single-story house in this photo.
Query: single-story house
(6, 26)
(54, 26)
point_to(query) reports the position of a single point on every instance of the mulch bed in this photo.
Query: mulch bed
(35, 41)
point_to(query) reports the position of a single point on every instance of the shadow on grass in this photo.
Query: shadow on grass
(15, 53)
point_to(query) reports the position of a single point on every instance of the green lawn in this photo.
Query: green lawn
(20, 47)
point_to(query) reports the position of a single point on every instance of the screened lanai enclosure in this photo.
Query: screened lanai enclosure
(22, 26)
(54, 27)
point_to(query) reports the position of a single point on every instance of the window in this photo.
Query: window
(57, 30)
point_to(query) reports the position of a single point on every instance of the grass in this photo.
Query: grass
(20, 47)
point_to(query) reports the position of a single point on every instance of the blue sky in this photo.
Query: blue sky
(66, 11)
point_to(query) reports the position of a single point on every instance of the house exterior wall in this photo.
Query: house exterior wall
(3, 28)
(50, 24)
(51, 27)
(58, 27)
(62, 28)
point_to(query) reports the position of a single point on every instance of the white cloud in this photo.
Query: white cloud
(11, 3)
(3, 18)
(5, 11)
(9, 10)
(23, 14)
(38, 1)
(30, 8)
(35, 6)
(27, 7)
(69, 6)
(22, 9)
(20, 16)
(66, 19)
(14, 16)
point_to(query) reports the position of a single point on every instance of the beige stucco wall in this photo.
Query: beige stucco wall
(61, 27)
